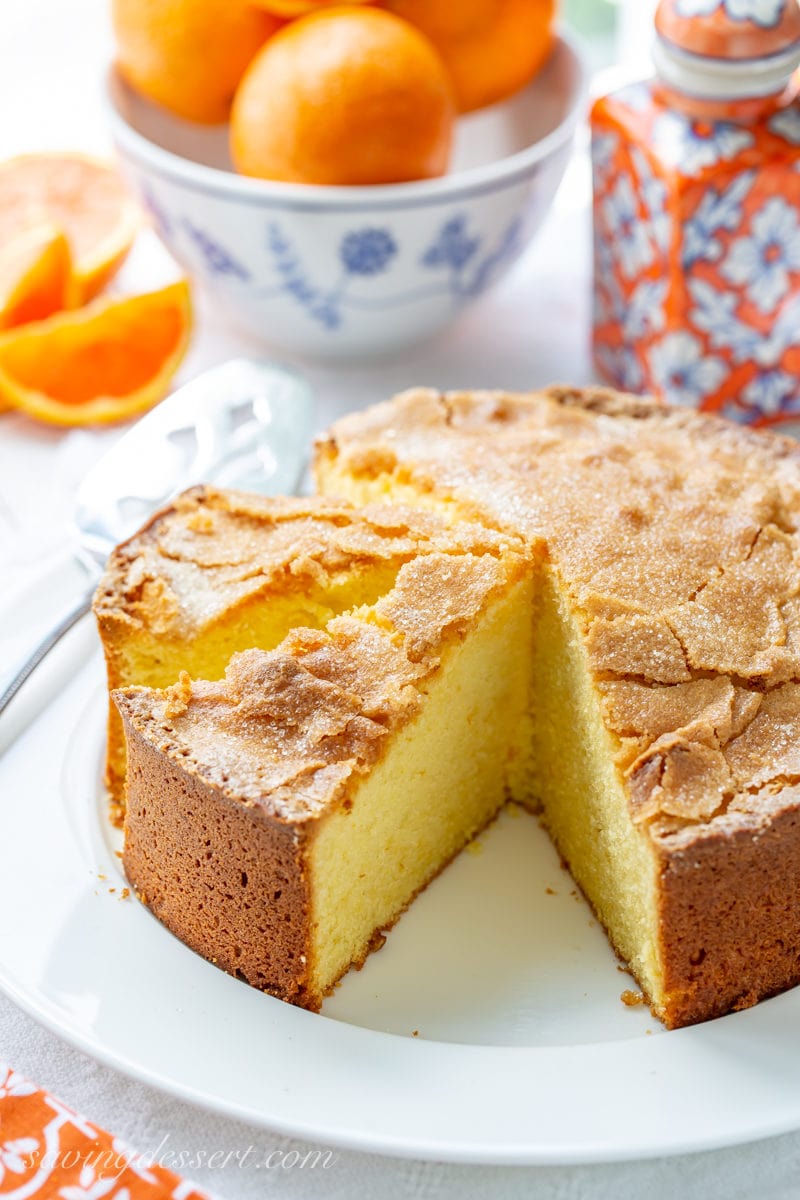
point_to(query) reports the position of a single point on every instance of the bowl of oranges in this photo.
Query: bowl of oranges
(343, 180)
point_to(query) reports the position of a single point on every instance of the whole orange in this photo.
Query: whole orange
(189, 55)
(492, 48)
(344, 96)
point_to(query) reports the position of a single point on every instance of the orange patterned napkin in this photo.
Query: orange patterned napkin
(48, 1151)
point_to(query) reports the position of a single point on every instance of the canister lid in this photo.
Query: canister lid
(727, 49)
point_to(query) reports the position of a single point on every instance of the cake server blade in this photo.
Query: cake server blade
(245, 424)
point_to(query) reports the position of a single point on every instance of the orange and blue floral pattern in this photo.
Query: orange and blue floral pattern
(49, 1152)
(697, 254)
(729, 30)
(765, 13)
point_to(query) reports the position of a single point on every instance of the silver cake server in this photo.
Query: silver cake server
(244, 424)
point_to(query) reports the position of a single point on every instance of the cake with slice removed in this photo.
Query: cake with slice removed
(666, 657)
(587, 603)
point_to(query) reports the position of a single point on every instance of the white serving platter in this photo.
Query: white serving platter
(489, 1029)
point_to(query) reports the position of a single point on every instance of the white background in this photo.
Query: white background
(532, 330)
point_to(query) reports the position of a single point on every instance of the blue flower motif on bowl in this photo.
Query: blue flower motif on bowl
(158, 214)
(508, 247)
(320, 305)
(373, 251)
(453, 247)
(217, 259)
(715, 314)
(367, 251)
(362, 252)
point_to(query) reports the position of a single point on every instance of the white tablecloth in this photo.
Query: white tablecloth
(532, 330)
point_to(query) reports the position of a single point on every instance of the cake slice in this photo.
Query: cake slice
(665, 663)
(279, 819)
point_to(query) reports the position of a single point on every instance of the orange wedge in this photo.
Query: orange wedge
(85, 198)
(102, 363)
(35, 276)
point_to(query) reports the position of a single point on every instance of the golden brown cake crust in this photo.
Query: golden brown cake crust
(286, 729)
(227, 780)
(212, 557)
(676, 536)
(225, 879)
(211, 550)
(728, 907)
(289, 729)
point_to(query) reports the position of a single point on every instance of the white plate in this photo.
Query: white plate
(524, 1053)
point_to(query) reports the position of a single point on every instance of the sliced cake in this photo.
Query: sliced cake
(280, 818)
(579, 600)
(221, 571)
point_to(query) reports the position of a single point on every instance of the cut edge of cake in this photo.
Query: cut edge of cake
(170, 602)
(724, 922)
(694, 889)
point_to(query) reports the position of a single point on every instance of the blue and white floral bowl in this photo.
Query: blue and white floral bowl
(347, 272)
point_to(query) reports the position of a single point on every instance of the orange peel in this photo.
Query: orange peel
(188, 55)
(103, 363)
(492, 48)
(344, 95)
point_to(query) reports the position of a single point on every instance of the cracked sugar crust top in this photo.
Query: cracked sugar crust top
(675, 535)
(288, 730)
(214, 549)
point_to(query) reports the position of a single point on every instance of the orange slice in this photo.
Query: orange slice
(85, 198)
(102, 363)
(35, 276)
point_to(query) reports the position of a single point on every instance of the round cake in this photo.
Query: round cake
(578, 600)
